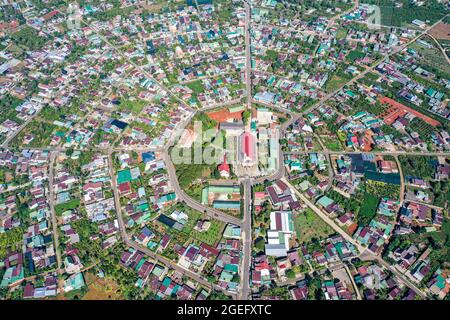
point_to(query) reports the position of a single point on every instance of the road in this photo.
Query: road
(402, 180)
(248, 58)
(244, 292)
(330, 173)
(355, 287)
(380, 153)
(51, 202)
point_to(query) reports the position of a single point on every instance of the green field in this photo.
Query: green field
(196, 86)
(10, 241)
(332, 144)
(354, 55)
(341, 33)
(28, 38)
(368, 209)
(335, 82)
(69, 205)
(308, 226)
(134, 106)
(212, 235)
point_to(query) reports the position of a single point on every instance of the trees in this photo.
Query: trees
(246, 116)
(10, 241)
(417, 166)
(290, 274)
(28, 38)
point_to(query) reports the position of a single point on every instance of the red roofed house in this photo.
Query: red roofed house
(224, 168)
(124, 188)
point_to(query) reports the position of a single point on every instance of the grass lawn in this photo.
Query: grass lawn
(341, 33)
(213, 235)
(134, 106)
(69, 205)
(334, 83)
(196, 86)
(308, 225)
(271, 55)
(368, 208)
(332, 144)
(225, 13)
(383, 190)
(354, 55)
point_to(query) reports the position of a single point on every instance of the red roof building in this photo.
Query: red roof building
(224, 168)
(124, 188)
(247, 154)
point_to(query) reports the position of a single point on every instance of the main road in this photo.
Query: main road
(248, 57)
(51, 202)
(247, 236)
(380, 153)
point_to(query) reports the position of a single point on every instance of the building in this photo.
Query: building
(232, 128)
(247, 149)
(224, 168)
(281, 230)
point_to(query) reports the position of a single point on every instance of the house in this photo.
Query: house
(74, 282)
(300, 292)
(224, 168)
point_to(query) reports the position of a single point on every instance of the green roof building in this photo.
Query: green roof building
(124, 176)
(74, 282)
